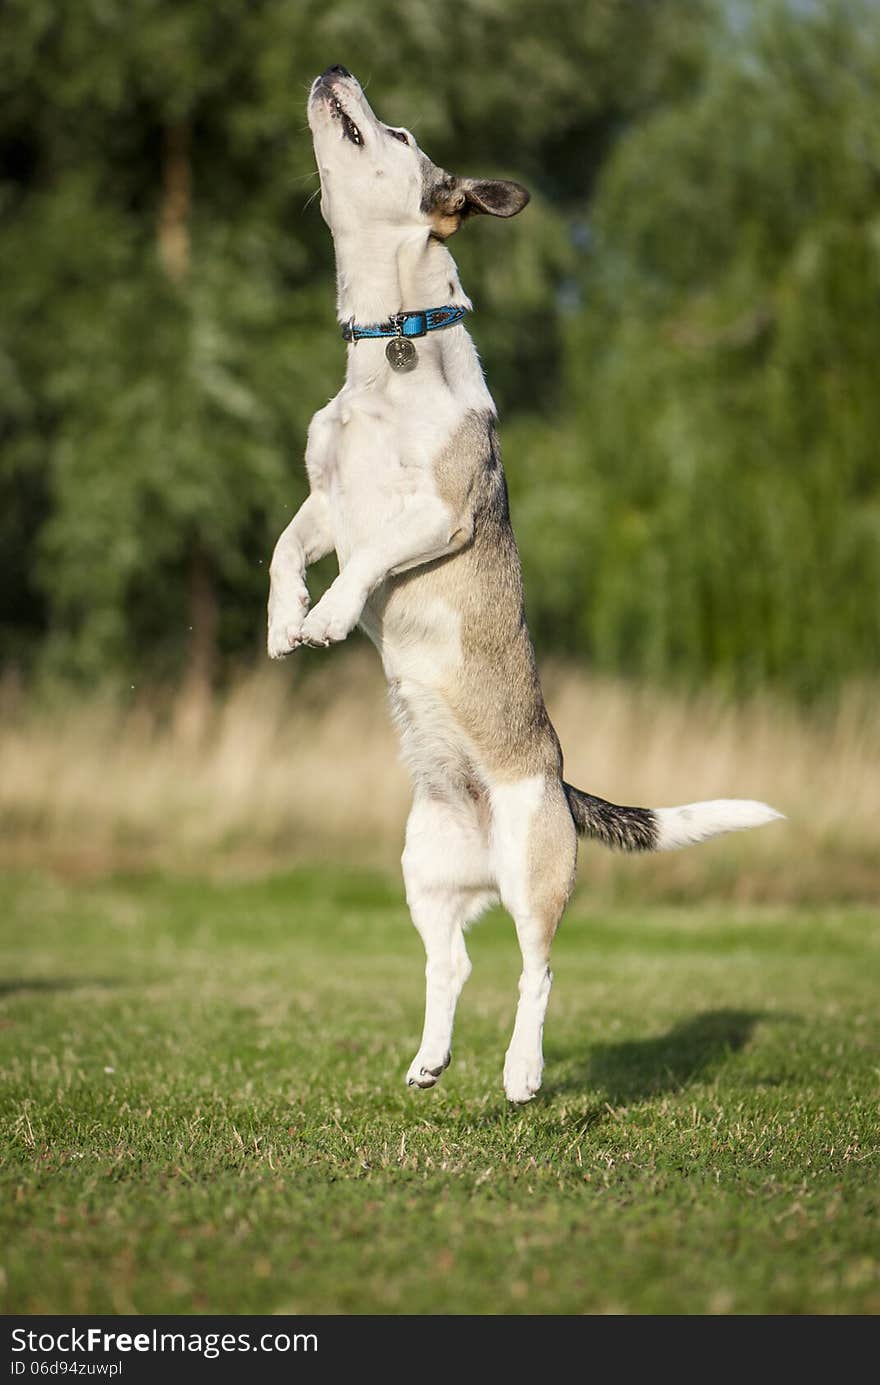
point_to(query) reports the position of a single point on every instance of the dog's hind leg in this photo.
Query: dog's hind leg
(445, 869)
(533, 846)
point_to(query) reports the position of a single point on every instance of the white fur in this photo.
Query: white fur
(513, 811)
(448, 884)
(422, 646)
(695, 822)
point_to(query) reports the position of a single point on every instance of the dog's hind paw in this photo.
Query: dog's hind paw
(522, 1078)
(425, 1070)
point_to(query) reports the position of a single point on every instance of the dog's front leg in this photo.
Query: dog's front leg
(427, 530)
(307, 538)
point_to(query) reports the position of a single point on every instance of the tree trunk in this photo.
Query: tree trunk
(174, 211)
(174, 254)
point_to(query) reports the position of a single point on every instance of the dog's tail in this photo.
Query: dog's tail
(662, 829)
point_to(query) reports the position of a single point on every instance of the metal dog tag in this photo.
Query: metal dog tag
(401, 354)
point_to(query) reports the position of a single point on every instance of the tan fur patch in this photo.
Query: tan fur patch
(493, 698)
(444, 223)
(552, 858)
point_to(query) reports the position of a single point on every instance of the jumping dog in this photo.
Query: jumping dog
(407, 486)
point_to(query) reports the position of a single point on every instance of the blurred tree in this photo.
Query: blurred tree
(720, 489)
(169, 325)
(681, 331)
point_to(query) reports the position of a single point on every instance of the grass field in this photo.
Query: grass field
(204, 1109)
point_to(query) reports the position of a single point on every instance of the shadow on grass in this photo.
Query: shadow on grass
(641, 1068)
(14, 985)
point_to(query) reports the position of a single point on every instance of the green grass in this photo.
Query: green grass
(203, 1109)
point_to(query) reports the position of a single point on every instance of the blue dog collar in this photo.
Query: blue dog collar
(416, 324)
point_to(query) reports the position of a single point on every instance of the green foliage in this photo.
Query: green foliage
(678, 332)
(718, 479)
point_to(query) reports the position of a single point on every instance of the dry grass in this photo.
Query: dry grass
(287, 768)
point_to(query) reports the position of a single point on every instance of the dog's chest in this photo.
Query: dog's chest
(372, 459)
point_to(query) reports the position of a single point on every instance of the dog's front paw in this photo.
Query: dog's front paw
(287, 614)
(331, 621)
(284, 639)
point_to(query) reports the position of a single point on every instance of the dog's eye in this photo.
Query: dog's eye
(399, 134)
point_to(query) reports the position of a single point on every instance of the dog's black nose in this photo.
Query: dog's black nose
(336, 71)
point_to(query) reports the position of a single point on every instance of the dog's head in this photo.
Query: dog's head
(372, 173)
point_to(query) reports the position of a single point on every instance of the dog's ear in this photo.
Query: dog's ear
(453, 199)
(495, 196)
